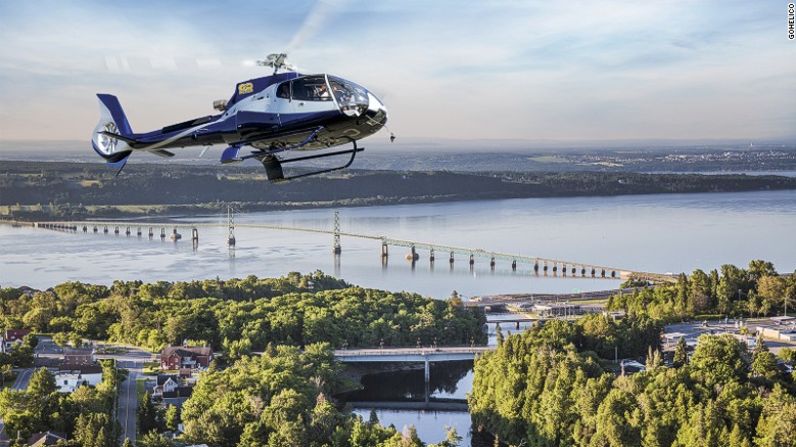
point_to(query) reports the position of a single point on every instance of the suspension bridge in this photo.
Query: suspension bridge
(547, 266)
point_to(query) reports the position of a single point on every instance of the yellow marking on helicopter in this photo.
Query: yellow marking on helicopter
(246, 87)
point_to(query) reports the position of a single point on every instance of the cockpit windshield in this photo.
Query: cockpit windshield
(353, 99)
(311, 88)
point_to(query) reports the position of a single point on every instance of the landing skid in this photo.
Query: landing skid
(273, 165)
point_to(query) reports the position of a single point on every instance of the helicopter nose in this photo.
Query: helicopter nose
(375, 105)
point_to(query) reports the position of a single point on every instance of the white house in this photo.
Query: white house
(70, 380)
(166, 384)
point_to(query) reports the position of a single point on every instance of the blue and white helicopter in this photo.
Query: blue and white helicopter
(270, 115)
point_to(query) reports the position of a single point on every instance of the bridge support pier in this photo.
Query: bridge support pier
(385, 251)
(194, 235)
(427, 371)
(412, 256)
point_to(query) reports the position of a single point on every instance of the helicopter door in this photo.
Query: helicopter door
(281, 102)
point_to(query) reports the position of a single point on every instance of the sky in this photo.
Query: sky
(503, 70)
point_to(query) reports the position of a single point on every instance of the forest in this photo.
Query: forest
(553, 386)
(240, 316)
(279, 398)
(42, 190)
(755, 291)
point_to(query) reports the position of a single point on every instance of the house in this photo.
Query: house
(166, 383)
(71, 377)
(12, 337)
(46, 438)
(78, 356)
(191, 357)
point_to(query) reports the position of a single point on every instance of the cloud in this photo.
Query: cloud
(518, 70)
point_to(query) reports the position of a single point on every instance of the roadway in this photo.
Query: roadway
(127, 403)
(410, 354)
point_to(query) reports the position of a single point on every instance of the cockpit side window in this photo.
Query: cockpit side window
(311, 88)
(283, 91)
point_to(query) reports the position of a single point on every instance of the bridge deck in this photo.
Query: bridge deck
(601, 271)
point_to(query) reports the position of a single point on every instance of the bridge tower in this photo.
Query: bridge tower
(336, 247)
(231, 226)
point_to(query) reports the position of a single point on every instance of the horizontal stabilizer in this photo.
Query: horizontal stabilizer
(119, 137)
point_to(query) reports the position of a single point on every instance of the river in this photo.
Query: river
(657, 233)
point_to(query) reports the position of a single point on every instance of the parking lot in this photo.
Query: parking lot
(691, 330)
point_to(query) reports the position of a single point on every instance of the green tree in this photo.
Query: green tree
(154, 439)
(171, 417)
(699, 292)
(764, 363)
(772, 290)
(680, 353)
(777, 424)
(147, 414)
(759, 268)
(42, 383)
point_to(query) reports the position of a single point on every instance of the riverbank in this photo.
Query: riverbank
(42, 190)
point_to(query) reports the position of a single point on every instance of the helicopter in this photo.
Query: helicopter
(271, 115)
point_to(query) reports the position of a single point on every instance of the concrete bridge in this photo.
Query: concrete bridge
(411, 355)
(538, 265)
(436, 406)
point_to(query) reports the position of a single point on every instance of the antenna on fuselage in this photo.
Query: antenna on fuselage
(278, 61)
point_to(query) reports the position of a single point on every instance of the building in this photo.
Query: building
(191, 357)
(71, 377)
(166, 384)
(79, 356)
(12, 337)
(45, 438)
